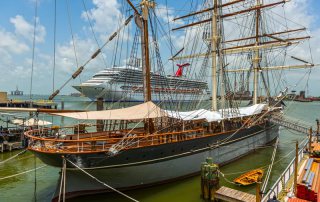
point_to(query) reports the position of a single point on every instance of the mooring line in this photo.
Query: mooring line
(24, 172)
(103, 183)
(265, 166)
(265, 182)
(226, 179)
(2, 162)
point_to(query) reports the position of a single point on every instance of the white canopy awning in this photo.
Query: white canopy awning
(243, 111)
(137, 112)
(209, 116)
(30, 122)
(150, 110)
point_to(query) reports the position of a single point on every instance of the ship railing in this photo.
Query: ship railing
(277, 188)
(45, 140)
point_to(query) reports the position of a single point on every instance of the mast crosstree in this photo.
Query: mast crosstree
(261, 41)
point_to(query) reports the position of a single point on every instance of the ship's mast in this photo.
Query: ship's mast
(214, 44)
(277, 40)
(145, 4)
(256, 57)
(221, 58)
(142, 23)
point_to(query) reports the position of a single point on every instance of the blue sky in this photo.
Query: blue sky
(16, 24)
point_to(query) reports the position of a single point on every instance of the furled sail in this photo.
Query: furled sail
(150, 110)
(137, 112)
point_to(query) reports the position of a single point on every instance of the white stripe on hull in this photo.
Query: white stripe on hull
(141, 175)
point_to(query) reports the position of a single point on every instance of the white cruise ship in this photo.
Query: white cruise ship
(125, 84)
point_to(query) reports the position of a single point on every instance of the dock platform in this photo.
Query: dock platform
(9, 146)
(44, 104)
(232, 195)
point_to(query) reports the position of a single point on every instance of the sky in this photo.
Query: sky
(17, 19)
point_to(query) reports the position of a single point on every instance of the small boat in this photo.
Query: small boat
(249, 177)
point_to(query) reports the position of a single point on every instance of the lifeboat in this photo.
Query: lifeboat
(249, 177)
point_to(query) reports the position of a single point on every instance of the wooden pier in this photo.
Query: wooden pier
(232, 195)
(9, 146)
(43, 104)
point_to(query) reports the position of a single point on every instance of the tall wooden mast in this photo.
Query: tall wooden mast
(214, 44)
(146, 4)
(142, 23)
(256, 57)
(220, 47)
(221, 58)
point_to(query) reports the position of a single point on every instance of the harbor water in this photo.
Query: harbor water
(20, 182)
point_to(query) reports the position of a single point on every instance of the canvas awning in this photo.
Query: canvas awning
(137, 112)
(209, 116)
(30, 122)
(243, 111)
(150, 110)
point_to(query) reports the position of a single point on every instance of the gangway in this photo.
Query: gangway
(291, 123)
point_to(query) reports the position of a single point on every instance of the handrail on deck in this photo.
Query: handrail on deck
(285, 176)
(96, 144)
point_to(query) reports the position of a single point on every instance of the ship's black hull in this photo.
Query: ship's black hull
(144, 173)
(151, 154)
(159, 164)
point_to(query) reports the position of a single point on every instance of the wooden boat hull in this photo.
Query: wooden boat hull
(249, 177)
(146, 167)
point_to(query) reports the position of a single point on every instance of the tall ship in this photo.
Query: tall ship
(152, 143)
(125, 84)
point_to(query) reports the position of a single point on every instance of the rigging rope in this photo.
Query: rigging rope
(91, 28)
(21, 173)
(304, 141)
(35, 178)
(2, 162)
(54, 44)
(62, 189)
(265, 183)
(71, 31)
(103, 183)
(33, 45)
(93, 56)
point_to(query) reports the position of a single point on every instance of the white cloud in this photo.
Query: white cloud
(11, 44)
(105, 16)
(66, 60)
(167, 14)
(26, 29)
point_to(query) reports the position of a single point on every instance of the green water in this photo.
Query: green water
(22, 187)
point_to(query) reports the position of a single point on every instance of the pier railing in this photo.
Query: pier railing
(278, 186)
(288, 122)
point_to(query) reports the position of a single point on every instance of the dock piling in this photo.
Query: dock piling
(209, 179)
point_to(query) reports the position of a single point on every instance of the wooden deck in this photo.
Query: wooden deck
(232, 195)
(9, 146)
